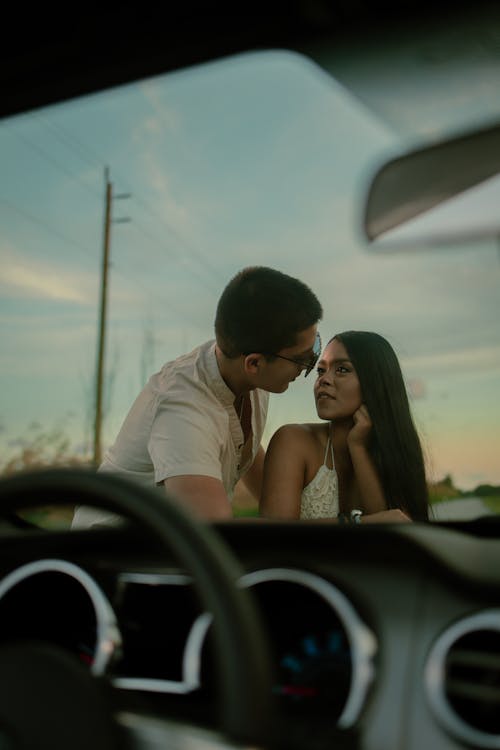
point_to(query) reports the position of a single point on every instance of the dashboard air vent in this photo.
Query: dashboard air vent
(463, 679)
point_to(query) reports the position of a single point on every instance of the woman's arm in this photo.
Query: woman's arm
(367, 478)
(284, 472)
(253, 478)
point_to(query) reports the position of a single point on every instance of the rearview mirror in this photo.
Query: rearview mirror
(447, 191)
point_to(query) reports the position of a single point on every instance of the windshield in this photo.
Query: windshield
(263, 158)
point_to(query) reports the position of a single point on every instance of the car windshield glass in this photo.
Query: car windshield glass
(262, 158)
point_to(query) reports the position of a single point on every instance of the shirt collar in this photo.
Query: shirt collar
(221, 390)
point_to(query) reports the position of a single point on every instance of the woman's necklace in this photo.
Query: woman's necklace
(241, 407)
(244, 416)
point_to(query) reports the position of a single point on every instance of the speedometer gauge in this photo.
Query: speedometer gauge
(323, 652)
(316, 674)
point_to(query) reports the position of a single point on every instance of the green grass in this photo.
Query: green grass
(49, 517)
(493, 503)
(245, 512)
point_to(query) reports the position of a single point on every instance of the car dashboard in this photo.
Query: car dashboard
(379, 637)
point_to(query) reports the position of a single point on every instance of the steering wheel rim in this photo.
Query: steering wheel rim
(241, 649)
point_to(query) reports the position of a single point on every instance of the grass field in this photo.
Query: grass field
(493, 503)
(244, 506)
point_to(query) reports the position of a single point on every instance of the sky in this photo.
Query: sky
(262, 158)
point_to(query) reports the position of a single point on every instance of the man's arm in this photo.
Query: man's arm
(369, 483)
(367, 476)
(205, 497)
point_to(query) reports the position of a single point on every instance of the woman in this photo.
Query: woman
(365, 456)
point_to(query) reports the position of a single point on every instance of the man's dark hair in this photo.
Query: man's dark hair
(262, 310)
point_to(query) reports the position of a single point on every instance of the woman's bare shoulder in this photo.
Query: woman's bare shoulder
(300, 434)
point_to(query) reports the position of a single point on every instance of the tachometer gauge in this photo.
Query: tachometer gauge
(56, 602)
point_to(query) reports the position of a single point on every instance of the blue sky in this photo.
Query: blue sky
(259, 159)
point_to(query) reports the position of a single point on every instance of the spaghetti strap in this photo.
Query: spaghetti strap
(320, 498)
(326, 449)
(329, 445)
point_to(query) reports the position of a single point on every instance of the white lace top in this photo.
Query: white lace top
(320, 498)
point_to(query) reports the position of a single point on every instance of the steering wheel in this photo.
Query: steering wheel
(241, 649)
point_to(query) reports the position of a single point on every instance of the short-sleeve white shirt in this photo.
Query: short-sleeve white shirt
(184, 423)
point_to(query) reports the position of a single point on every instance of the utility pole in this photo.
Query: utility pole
(99, 393)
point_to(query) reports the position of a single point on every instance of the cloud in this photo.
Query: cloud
(27, 278)
(31, 279)
(164, 116)
(31, 283)
(478, 359)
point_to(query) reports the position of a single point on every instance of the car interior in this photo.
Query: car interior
(355, 145)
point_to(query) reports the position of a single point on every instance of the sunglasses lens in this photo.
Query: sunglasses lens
(317, 346)
(315, 357)
(310, 366)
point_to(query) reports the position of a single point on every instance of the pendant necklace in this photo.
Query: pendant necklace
(242, 406)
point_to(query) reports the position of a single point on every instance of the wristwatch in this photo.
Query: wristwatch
(355, 516)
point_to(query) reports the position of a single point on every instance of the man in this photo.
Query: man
(196, 427)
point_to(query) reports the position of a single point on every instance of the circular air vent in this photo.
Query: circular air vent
(463, 679)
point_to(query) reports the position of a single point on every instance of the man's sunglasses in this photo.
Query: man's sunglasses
(310, 364)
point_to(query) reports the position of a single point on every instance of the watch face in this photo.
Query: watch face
(356, 516)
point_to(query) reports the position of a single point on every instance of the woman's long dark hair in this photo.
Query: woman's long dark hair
(395, 445)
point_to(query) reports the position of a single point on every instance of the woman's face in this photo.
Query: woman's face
(337, 390)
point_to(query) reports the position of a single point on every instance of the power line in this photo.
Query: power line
(56, 232)
(197, 254)
(150, 295)
(73, 142)
(55, 163)
(48, 227)
(95, 160)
